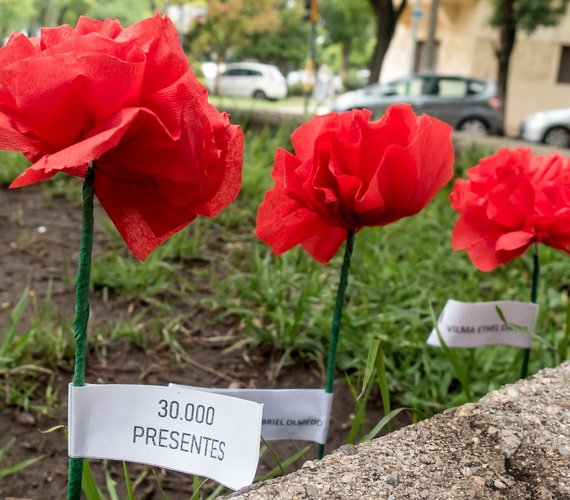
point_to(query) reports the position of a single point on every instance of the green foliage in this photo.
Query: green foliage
(398, 272)
(7, 470)
(14, 16)
(57, 12)
(349, 25)
(88, 486)
(30, 350)
(531, 14)
(126, 11)
(285, 47)
(118, 271)
(12, 164)
(230, 22)
(469, 157)
(30, 15)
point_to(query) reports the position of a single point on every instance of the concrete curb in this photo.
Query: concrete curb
(513, 444)
(262, 117)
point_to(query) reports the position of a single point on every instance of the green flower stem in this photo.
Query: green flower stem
(75, 471)
(533, 299)
(337, 317)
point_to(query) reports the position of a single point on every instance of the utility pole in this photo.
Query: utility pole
(417, 14)
(312, 14)
(430, 46)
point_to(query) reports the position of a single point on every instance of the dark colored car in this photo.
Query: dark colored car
(468, 104)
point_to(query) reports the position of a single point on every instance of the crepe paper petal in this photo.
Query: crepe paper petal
(348, 172)
(126, 101)
(509, 201)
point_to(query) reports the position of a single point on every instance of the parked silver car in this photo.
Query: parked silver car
(551, 127)
(468, 104)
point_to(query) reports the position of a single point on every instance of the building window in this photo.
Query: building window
(564, 66)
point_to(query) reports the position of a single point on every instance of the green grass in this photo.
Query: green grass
(295, 103)
(399, 275)
(36, 343)
(398, 272)
(11, 165)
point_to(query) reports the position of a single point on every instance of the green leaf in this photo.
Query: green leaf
(197, 485)
(370, 365)
(565, 342)
(382, 423)
(128, 483)
(24, 464)
(382, 380)
(88, 483)
(278, 470)
(13, 320)
(458, 367)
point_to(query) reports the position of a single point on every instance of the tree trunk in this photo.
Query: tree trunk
(220, 59)
(345, 61)
(387, 16)
(507, 37)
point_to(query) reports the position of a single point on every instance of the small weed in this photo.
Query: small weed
(6, 470)
(12, 164)
(35, 345)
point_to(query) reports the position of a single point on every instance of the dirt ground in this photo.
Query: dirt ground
(38, 248)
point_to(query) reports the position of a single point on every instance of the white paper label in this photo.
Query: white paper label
(474, 324)
(301, 414)
(188, 431)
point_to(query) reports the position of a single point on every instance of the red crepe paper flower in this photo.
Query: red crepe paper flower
(509, 201)
(348, 172)
(127, 100)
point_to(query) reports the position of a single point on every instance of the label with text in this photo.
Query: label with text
(196, 432)
(474, 324)
(301, 414)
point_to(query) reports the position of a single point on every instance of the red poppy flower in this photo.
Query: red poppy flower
(509, 201)
(348, 172)
(127, 100)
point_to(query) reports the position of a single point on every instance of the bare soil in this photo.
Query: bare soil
(38, 248)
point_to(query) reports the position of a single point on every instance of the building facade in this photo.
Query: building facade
(539, 76)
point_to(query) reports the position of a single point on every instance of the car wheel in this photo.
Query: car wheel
(558, 137)
(474, 126)
(259, 94)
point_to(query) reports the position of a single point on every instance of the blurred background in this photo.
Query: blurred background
(518, 52)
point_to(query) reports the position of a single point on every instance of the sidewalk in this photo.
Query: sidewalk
(256, 113)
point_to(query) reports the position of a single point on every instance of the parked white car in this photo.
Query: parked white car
(260, 81)
(551, 127)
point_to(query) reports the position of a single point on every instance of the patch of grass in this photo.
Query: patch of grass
(160, 274)
(7, 470)
(12, 164)
(36, 343)
(469, 157)
(295, 103)
(398, 272)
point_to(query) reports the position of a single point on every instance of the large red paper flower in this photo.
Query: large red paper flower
(348, 172)
(509, 201)
(127, 100)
